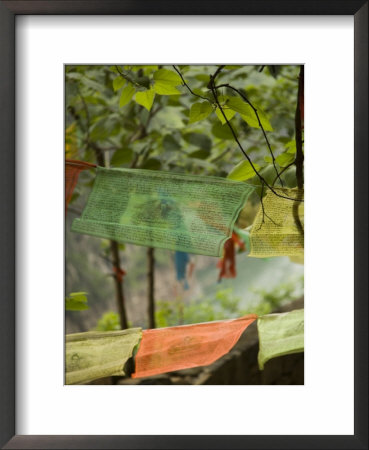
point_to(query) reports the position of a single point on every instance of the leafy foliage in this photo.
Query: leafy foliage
(109, 322)
(144, 116)
(76, 301)
(227, 306)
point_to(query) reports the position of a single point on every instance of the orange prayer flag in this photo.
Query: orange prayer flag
(167, 349)
(72, 170)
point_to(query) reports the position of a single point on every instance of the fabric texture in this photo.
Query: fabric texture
(278, 235)
(93, 355)
(280, 334)
(227, 264)
(72, 170)
(193, 214)
(167, 349)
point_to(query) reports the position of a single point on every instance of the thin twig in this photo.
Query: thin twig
(188, 87)
(259, 122)
(212, 87)
(282, 171)
(261, 178)
(217, 158)
(126, 77)
(263, 209)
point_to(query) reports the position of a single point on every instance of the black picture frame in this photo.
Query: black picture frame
(8, 12)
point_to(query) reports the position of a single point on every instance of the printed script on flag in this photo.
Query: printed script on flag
(97, 354)
(280, 334)
(193, 214)
(167, 349)
(275, 232)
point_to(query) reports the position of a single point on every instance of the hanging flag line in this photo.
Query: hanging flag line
(179, 212)
(176, 348)
(185, 213)
(95, 355)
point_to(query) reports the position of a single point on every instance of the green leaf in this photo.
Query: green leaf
(291, 147)
(79, 296)
(114, 69)
(121, 156)
(76, 301)
(92, 84)
(268, 173)
(167, 76)
(145, 98)
(102, 128)
(252, 120)
(127, 94)
(170, 143)
(289, 177)
(243, 171)
(198, 140)
(268, 159)
(168, 117)
(200, 154)
(152, 164)
(162, 89)
(165, 82)
(284, 159)
(248, 114)
(118, 83)
(72, 305)
(229, 113)
(143, 81)
(199, 111)
(238, 105)
(222, 131)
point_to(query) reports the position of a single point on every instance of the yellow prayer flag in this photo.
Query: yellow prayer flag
(275, 233)
(96, 354)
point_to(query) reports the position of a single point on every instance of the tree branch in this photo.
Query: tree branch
(261, 178)
(299, 160)
(259, 122)
(126, 77)
(283, 170)
(188, 87)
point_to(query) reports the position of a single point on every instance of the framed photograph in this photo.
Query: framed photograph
(158, 161)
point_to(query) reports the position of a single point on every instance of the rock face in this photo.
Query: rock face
(239, 366)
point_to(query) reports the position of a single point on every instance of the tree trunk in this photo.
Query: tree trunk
(299, 160)
(151, 287)
(117, 270)
(119, 294)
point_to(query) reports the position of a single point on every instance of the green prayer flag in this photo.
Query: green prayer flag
(98, 354)
(280, 334)
(193, 214)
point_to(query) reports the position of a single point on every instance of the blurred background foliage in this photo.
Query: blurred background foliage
(144, 117)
